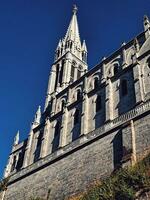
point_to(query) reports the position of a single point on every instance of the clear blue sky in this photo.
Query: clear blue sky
(29, 33)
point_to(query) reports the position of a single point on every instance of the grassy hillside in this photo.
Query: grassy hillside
(124, 184)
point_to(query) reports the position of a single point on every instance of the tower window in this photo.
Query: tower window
(72, 73)
(96, 83)
(76, 117)
(57, 71)
(98, 103)
(124, 87)
(61, 72)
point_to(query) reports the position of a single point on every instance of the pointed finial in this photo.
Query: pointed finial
(38, 115)
(103, 58)
(146, 17)
(75, 9)
(84, 48)
(146, 22)
(16, 138)
(123, 44)
(136, 44)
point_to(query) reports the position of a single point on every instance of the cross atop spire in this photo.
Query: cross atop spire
(73, 29)
(75, 9)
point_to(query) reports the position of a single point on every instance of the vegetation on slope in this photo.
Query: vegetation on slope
(124, 184)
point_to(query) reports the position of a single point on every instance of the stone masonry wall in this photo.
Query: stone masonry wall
(73, 172)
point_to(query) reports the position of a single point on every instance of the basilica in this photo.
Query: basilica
(94, 121)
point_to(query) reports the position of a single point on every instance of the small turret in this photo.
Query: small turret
(37, 117)
(58, 50)
(59, 45)
(146, 24)
(16, 139)
(84, 51)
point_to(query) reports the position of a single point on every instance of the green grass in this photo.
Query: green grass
(124, 184)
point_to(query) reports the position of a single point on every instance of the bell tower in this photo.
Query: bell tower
(70, 61)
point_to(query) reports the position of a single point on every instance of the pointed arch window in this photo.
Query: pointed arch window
(58, 53)
(72, 72)
(96, 83)
(71, 45)
(38, 147)
(61, 72)
(124, 87)
(78, 95)
(78, 74)
(62, 104)
(57, 71)
(56, 137)
(14, 163)
(76, 117)
(20, 161)
(98, 103)
(116, 68)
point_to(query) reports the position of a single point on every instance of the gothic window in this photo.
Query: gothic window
(62, 104)
(96, 83)
(116, 68)
(61, 51)
(14, 163)
(71, 45)
(78, 74)
(76, 117)
(20, 161)
(38, 147)
(124, 87)
(57, 71)
(61, 72)
(98, 103)
(72, 73)
(78, 95)
(58, 53)
(56, 137)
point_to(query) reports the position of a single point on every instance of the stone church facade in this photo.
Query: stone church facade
(94, 121)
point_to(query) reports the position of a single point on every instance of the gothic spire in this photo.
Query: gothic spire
(73, 29)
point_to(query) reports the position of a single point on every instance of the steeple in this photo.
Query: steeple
(71, 42)
(73, 30)
(70, 59)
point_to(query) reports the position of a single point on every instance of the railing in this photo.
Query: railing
(123, 118)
